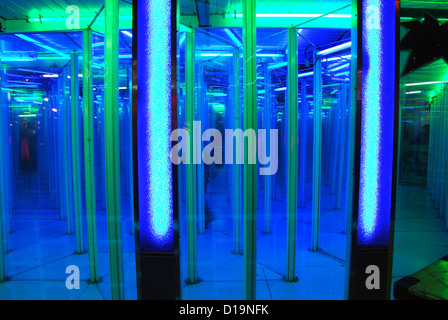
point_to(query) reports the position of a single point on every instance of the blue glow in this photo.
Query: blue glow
(154, 126)
(233, 37)
(129, 34)
(337, 48)
(377, 122)
(38, 43)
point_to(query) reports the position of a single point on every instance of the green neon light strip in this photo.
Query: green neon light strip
(294, 15)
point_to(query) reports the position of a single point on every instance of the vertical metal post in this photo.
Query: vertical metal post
(317, 150)
(268, 124)
(130, 157)
(302, 139)
(111, 125)
(76, 165)
(66, 150)
(60, 138)
(250, 170)
(237, 249)
(292, 151)
(89, 155)
(444, 189)
(200, 166)
(443, 126)
(430, 149)
(342, 148)
(336, 143)
(4, 179)
(191, 183)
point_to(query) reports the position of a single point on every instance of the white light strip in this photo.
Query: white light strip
(335, 49)
(424, 83)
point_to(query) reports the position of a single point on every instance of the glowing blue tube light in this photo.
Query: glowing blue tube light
(233, 37)
(154, 126)
(337, 48)
(377, 122)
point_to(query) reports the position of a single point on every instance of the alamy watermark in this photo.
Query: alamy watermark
(235, 141)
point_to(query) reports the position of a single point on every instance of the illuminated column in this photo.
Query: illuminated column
(111, 133)
(237, 244)
(89, 155)
(155, 176)
(317, 150)
(292, 152)
(375, 149)
(76, 164)
(250, 170)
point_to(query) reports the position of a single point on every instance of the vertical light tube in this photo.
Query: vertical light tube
(375, 154)
(237, 244)
(66, 152)
(317, 150)
(292, 152)
(111, 132)
(155, 176)
(302, 139)
(250, 170)
(377, 122)
(89, 155)
(268, 123)
(76, 165)
(191, 184)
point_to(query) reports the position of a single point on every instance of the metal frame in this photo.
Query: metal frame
(317, 150)
(76, 175)
(292, 152)
(89, 156)
(250, 170)
(113, 195)
(191, 177)
(237, 205)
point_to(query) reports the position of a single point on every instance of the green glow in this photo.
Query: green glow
(27, 115)
(295, 15)
(217, 107)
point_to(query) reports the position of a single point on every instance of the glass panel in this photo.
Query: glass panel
(420, 237)
(335, 157)
(40, 223)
